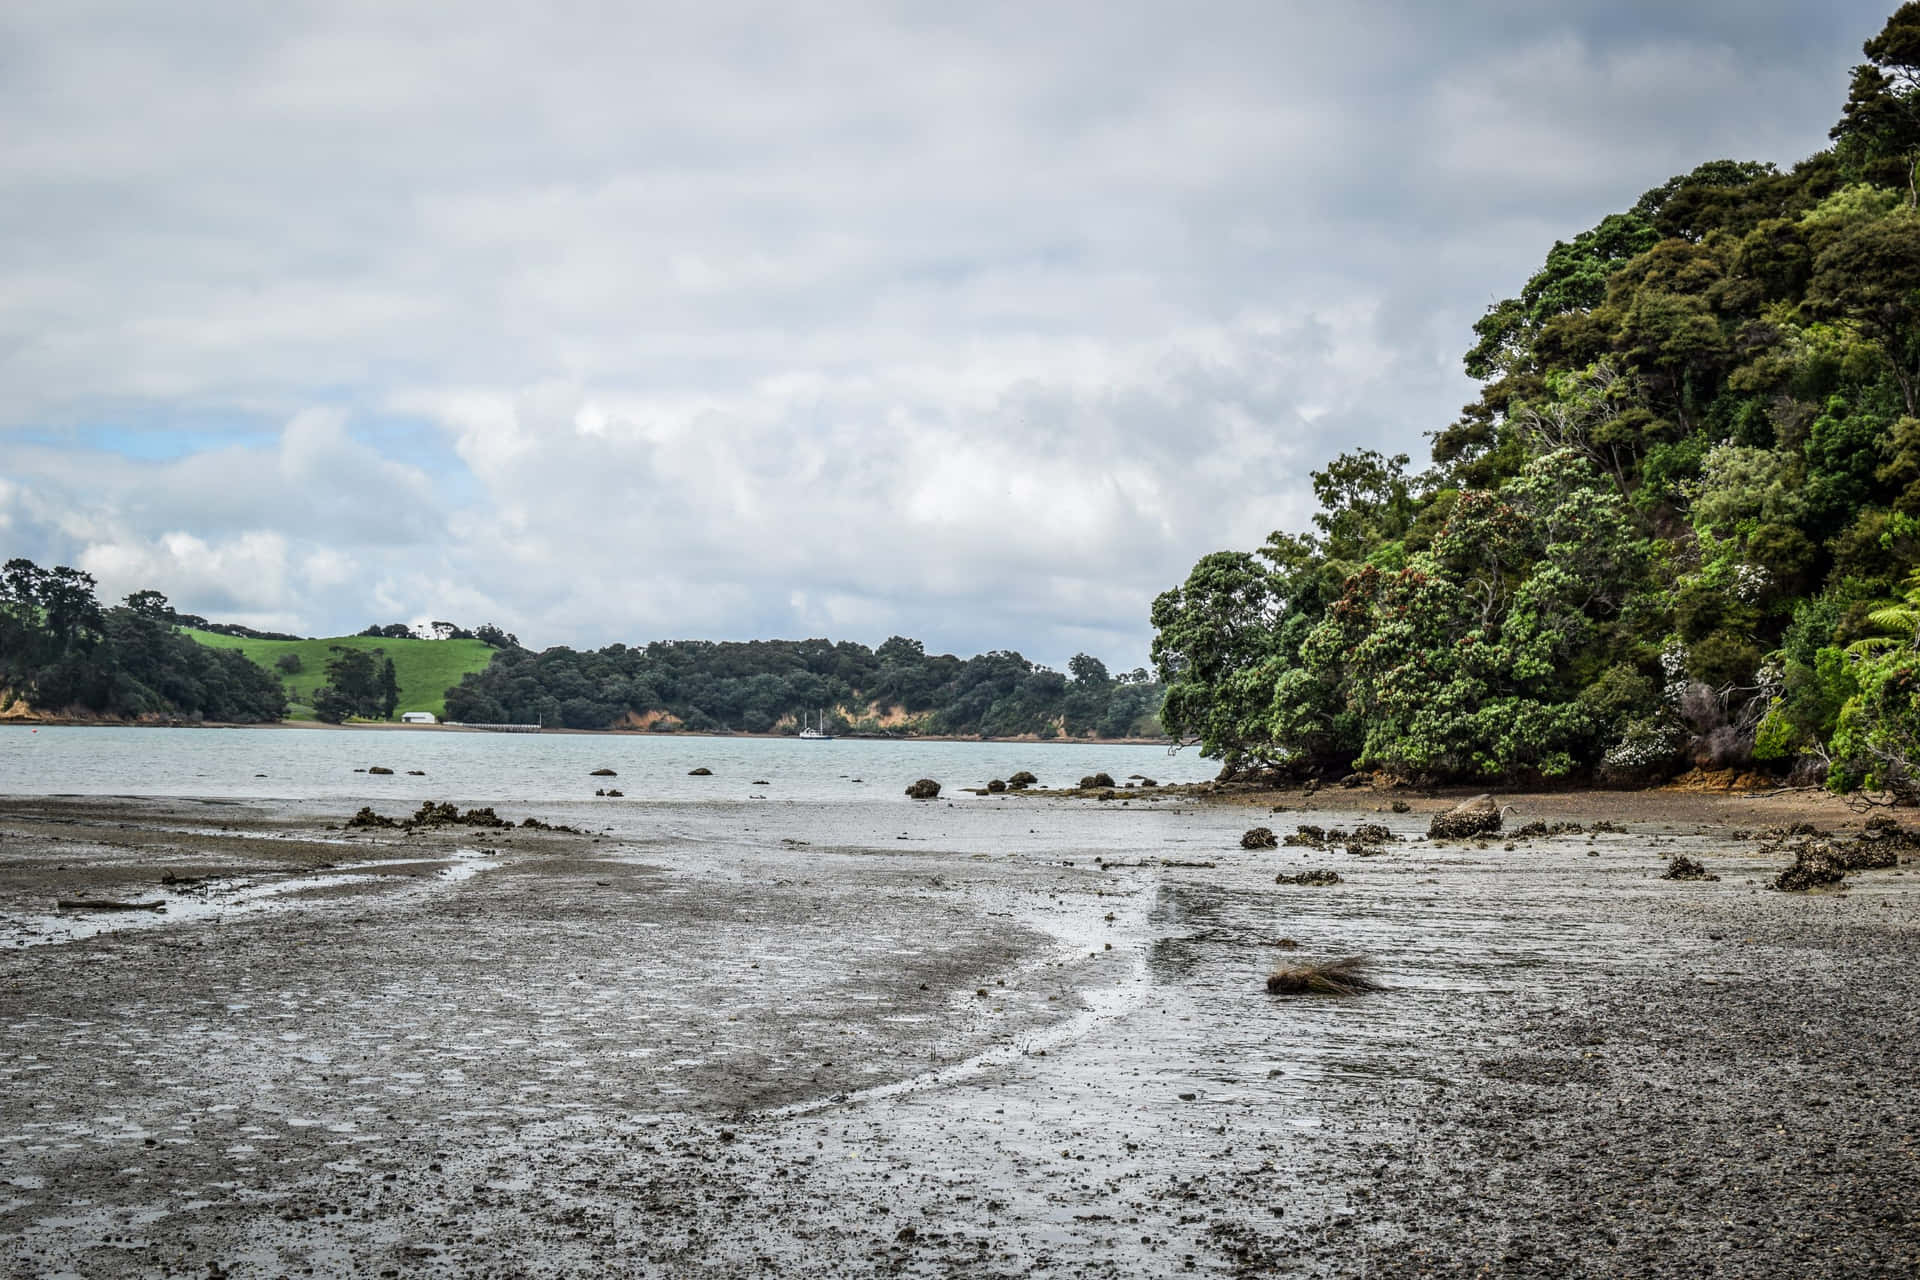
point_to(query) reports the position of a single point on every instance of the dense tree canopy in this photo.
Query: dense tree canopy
(1689, 484)
(61, 651)
(766, 686)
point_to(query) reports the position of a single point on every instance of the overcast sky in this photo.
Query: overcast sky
(609, 321)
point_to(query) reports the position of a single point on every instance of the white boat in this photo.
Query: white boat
(811, 734)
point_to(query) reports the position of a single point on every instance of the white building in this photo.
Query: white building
(417, 717)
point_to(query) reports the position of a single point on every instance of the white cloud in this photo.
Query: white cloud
(977, 324)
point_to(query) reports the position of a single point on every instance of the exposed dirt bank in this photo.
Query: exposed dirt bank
(844, 1040)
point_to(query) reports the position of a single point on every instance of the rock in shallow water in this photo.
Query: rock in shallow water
(1479, 816)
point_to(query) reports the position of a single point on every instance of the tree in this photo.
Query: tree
(1881, 119)
(1211, 637)
(60, 649)
(1365, 498)
(1088, 670)
(353, 686)
(151, 604)
(389, 690)
(1573, 279)
(494, 638)
(1869, 273)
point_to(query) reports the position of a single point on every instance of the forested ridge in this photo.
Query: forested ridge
(61, 650)
(766, 686)
(1679, 526)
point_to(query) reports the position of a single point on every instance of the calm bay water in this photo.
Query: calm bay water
(489, 767)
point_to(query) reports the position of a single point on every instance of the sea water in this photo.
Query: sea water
(319, 764)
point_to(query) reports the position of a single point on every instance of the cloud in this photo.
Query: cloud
(630, 323)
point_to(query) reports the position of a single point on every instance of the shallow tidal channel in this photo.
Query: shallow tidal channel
(996, 1036)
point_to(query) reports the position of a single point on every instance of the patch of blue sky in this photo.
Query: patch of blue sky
(156, 434)
(416, 442)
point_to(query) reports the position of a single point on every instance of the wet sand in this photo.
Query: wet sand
(716, 1040)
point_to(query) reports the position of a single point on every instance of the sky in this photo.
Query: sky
(635, 321)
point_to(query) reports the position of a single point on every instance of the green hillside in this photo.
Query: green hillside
(424, 668)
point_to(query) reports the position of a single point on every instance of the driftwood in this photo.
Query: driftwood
(1158, 862)
(107, 904)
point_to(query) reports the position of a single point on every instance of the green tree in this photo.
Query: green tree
(1869, 274)
(1881, 119)
(353, 686)
(1212, 637)
(389, 690)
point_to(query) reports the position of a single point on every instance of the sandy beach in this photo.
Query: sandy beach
(1000, 1037)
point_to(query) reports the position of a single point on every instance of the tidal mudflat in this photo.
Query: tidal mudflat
(1005, 1036)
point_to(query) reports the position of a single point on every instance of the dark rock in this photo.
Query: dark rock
(603, 773)
(1869, 855)
(701, 772)
(1095, 780)
(1479, 816)
(1684, 868)
(1881, 845)
(1259, 838)
(416, 773)
(613, 792)
(1318, 876)
(380, 768)
(924, 789)
(1536, 830)
(1401, 806)
(1813, 865)
(996, 786)
(1022, 780)
(1353, 780)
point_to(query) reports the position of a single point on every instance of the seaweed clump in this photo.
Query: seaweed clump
(1318, 876)
(429, 814)
(534, 824)
(1259, 838)
(1328, 978)
(449, 815)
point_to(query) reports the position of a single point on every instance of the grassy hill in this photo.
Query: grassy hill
(424, 668)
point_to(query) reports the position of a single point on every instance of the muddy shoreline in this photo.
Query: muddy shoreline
(994, 1038)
